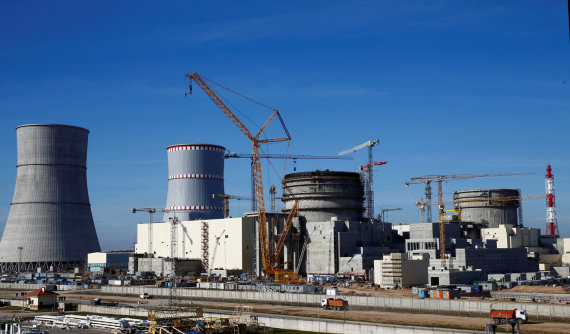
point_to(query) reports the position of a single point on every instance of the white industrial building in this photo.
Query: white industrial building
(510, 236)
(229, 241)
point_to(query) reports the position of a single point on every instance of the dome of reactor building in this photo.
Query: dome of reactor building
(50, 224)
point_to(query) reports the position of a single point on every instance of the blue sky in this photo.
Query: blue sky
(448, 86)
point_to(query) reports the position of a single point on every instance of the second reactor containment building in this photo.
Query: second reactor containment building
(50, 225)
(195, 173)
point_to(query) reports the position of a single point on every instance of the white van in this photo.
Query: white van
(144, 295)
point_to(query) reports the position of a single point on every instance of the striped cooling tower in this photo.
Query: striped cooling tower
(50, 221)
(195, 172)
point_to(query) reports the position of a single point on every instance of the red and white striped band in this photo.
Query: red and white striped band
(193, 207)
(195, 176)
(195, 148)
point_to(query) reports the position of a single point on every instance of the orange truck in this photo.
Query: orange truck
(509, 315)
(334, 304)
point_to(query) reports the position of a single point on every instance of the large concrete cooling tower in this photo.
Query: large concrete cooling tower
(50, 221)
(195, 173)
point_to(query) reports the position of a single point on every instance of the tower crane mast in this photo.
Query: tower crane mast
(427, 179)
(368, 182)
(151, 212)
(214, 253)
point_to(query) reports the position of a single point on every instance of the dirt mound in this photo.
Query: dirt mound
(537, 289)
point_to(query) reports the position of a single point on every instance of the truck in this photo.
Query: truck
(334, 304)
(509, 315)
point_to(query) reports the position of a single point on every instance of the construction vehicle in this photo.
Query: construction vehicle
(427, 179)
(336, 304)
(509, 315)
(268, 258)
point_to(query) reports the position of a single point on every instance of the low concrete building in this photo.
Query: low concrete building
(41, 298)
(398, 270)
(102, 261)
(471, 264)
(447, 276)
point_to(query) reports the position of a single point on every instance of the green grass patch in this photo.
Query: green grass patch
(11, 308)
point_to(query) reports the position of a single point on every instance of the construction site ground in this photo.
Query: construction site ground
(471, 322)
(365, 290)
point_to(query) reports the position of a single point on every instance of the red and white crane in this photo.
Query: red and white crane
(551, 221)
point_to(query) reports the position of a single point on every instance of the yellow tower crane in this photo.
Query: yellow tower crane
(266, 257)
(226, 199)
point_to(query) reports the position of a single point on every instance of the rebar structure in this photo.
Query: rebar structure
(205, 247)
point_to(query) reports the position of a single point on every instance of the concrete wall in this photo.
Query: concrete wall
(431, 230)
(454, 276)
(509, 236)
(490, 260)
(162, 267)
(339, 326)
(345, 246)
(563, 245)
(535, 311)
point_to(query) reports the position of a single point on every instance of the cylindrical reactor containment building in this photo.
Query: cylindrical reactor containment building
(478, 206)
(324, 194)
(195, 173)
(50, 221)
